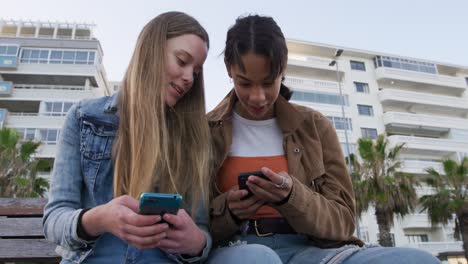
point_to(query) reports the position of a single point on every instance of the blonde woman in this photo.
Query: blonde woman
(150, 137)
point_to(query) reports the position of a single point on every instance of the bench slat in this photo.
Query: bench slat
(21, 227)
(22, 206)
(28, 249)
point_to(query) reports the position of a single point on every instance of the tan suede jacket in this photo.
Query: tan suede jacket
(321, 204)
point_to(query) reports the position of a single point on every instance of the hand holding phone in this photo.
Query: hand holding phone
(242, 181)
(159, 203)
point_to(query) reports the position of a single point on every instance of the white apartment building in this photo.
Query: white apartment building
(421, 103)
(45, 67)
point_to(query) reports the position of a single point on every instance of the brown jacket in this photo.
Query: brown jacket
(321, 204)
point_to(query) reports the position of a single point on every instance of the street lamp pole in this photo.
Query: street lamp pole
(350, 168)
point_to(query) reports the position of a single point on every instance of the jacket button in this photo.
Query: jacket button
(297, 150)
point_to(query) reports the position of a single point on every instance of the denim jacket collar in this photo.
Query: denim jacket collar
(111, 104)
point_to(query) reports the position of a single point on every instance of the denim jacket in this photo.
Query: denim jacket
(83, 178)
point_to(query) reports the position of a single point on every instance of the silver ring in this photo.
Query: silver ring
(284, 183)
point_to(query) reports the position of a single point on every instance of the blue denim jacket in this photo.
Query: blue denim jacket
(83, 178)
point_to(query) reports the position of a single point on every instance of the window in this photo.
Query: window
(56, 108)
(47, 136)
(404, 64)
(341, 123)
(466, 79)
(57, 56)
(361, 87)
(413, 239)
(358, 65)
(369, 132)
(321, 98)
(365, 110)
(8, 50)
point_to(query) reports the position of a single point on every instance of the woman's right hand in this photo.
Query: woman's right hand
(120, 217)
(243, 209)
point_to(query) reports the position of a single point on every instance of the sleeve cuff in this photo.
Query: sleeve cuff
(202, 256)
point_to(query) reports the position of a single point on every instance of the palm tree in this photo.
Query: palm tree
(378, 182)
(450, 198)
(18, 167)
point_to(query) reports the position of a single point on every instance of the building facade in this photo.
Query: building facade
(420, 103)
(44, 68)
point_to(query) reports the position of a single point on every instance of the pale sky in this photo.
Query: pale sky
(427, 29)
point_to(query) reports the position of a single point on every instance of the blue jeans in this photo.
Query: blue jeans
(243, 253)
(298, 249)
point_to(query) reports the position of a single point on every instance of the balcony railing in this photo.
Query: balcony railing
(50, 87)
(424, 120)
(433, 144)
(311, 61)
(420, 77)
(305, 82)
(423, 99)
(437, 247)
(420, 166)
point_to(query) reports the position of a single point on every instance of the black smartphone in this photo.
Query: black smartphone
(159, 203)
(242, 181)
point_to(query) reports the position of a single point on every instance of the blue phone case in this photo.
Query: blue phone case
(159, 203)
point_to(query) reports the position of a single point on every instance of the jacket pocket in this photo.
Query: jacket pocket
(96, 152)
(96, 140)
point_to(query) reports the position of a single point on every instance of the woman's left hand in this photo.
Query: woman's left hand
(273, 191)
(183, 235)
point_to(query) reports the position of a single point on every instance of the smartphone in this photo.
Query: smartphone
(242, 181)
(159, 203)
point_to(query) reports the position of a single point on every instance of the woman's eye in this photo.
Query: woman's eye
(267, 84)
(180, 61)
(244, 84)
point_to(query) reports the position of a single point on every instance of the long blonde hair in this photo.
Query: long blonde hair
(158, 146)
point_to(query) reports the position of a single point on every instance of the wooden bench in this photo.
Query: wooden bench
(21, 236)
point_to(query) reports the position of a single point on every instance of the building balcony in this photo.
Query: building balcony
(5, 88)
(426, 82)
(312, 84)
(55, 74)
(33, 120)
(397, 122)
(423, 102)
(314, 66)
(437, 247)
(47, 151)
(23, 92)
(430, 146)
(420, 166)
(415, 221)
(8, 62)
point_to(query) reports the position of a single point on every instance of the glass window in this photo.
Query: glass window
(56, 55)
(405, 64)
(414, 239)
(365, 110)
(361, 87)
(358, 65)
(341, 123)
(91, 57)
(466, 79)
(30, 134)
(369, 132)
(3, 50)
(321, 98)
(11, 50)
(66, 107)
